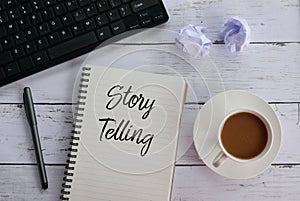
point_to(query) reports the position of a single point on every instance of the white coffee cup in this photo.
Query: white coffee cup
(223, 154)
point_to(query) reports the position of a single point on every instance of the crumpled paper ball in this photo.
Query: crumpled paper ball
(236, 34)
(192, 40)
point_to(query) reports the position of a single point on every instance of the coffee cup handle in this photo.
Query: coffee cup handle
(219, 159)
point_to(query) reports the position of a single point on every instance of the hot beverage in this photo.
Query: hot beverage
(244, 135)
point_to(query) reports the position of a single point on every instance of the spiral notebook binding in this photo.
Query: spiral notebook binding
(65, 192)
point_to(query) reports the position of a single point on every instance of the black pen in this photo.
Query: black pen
(30, 113)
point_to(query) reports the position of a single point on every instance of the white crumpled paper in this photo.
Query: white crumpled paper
(236, 34)
(192, 40)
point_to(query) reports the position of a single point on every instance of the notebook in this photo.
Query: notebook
(125, 138)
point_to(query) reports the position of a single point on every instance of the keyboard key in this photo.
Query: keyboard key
(26, 63)
(22, 1)
(48, 13)
(101, 20)
(2, 74)
(3, 18)
(2, 32)
(24, 23)
(113, 15)
(89, 24)
(37, 4)
(158, 16)
(12, 27)
(26, 8)
(10, 3)
(114, 3)
(79, 15)
(31, 33)
(54, 38)
(83, 2)
(13, 13)
(125, 10)
(12, 69)
(72, 45)
(49, 2)
(131, 23)
(71, 5)
(67, 20)
(103, 33)
(42, 43)
(30, 47)
(144, 15)
(19, 38)
(6, 57)
(65, 33)
(18, 52)
(40, 58)
(55, 24)
(140, 5)
(102, 6)
(118, 27)
(59, 9)
(43, 29)
(77, 29)
(7, 43)
(91, 10)
(36, 18)
(146, 21)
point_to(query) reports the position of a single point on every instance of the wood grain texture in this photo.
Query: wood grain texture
(55, 125)
(200, 183)
(269, 20)
(196, 183)
(268, 70)
(21, 183)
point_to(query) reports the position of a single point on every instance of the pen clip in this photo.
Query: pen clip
(29, 107)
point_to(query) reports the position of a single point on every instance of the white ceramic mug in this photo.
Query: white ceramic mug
(224, 155)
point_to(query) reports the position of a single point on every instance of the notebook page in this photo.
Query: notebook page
(129, 136)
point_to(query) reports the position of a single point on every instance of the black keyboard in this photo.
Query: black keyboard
(38, 34)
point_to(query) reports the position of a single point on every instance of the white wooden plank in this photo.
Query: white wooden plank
(270, 71)
(200, 183)
(269, 20)
(55, 125)
(190, 184)
(22, 183)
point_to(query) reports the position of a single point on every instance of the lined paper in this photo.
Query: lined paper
(108, 168)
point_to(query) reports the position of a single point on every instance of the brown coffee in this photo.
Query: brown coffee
(244, 135)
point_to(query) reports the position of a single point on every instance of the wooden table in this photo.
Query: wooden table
(269, 67)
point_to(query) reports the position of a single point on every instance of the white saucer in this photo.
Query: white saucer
(206, 132)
